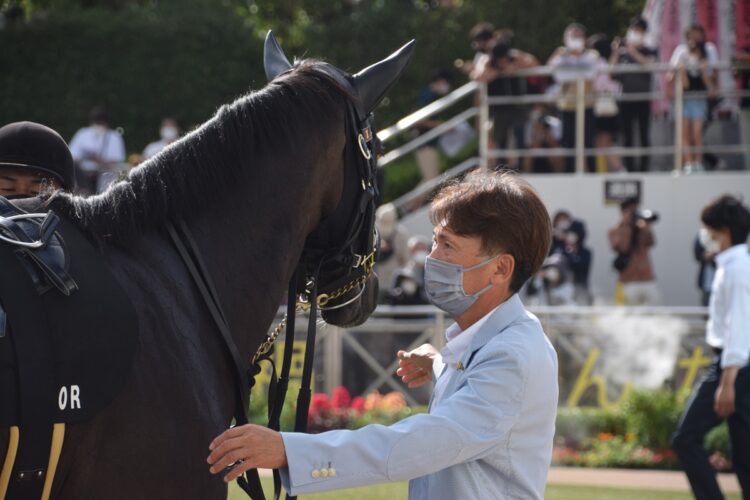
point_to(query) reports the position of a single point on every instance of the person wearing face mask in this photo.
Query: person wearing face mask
(168, 133)
(633, 50)
(33, 159)
(96, 149)
(407, 287)
(693, 71)
(394, 252)
(561, 222)
(570, 63)
(489, 429)
(724, 391)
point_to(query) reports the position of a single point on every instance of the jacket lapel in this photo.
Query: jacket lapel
(506, 314)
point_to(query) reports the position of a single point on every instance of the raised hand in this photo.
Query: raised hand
(415, 366)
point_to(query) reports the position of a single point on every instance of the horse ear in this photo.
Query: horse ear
(274, 60)
(374, 81)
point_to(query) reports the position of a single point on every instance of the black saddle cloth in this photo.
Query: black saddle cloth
(63, 358)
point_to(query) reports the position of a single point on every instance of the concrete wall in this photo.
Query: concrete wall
(677, 199)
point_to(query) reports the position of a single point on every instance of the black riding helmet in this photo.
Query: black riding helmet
(33, 146)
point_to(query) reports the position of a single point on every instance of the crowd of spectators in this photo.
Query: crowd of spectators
(99, 151)
(610, 120)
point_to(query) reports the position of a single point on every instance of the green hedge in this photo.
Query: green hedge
(149, 59)
(171, 59)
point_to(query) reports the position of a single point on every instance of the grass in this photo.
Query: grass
(398, 491)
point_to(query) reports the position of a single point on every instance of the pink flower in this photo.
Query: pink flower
(340, 399)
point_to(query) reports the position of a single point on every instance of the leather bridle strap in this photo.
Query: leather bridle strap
(188, 251)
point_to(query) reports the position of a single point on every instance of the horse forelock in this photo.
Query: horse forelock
(213, 160)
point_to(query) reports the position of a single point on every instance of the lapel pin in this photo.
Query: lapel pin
(459, 366)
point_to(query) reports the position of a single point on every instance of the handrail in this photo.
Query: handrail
(431, 109)
(427, 187)
(426, 137)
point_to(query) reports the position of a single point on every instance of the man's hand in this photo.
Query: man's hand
(251, 445)
(415, 367)
(724, 398)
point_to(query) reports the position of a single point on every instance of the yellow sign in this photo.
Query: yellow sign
(585, 379)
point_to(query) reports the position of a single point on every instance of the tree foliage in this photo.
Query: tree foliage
(146, 59)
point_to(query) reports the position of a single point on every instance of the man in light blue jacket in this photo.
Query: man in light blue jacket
(490, 426)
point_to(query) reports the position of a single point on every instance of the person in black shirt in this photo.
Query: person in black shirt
(507, 118)
(634, 51)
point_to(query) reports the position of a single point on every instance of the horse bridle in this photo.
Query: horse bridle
(324, 249)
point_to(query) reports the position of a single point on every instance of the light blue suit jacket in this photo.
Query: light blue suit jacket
(489, 437)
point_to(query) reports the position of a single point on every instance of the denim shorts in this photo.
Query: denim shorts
(694, 108)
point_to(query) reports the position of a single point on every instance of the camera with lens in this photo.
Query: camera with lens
(646, 215)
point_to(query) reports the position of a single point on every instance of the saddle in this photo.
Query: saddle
(68, 334)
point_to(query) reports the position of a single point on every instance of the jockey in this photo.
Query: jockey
(33, 159)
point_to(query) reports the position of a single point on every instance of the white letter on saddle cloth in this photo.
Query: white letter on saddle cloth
(75, 401)
(62, 397)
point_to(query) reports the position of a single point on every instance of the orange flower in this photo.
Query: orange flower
(372, 401)
(604, 436)
(394, 401)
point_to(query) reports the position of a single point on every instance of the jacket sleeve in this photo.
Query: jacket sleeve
(465, 425)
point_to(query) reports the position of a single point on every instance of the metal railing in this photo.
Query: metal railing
(570, 328)
(582, 99)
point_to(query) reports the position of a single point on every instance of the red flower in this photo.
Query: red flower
(319, 404)
(340, 399)
(358, 404)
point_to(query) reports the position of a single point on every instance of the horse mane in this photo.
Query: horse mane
(211, 161)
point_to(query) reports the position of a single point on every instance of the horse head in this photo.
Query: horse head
(340, 252)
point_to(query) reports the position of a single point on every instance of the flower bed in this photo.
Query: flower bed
(635, 435)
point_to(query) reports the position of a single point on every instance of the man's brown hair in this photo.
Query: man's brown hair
(504, 211)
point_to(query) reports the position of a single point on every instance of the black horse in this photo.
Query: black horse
(251, 184)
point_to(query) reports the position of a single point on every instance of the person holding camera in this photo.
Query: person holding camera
(632, 240)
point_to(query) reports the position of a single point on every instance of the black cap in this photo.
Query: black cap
(34, 146)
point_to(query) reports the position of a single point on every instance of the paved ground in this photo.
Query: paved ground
(627, 478)
(623, 478)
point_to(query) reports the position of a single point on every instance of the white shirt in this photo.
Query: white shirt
(452, 353)
(92, 141)
(728, 325)
(155, 148)
(681, 56)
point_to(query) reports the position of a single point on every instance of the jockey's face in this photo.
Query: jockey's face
(22, 183)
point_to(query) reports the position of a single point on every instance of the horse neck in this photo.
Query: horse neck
(252, 242)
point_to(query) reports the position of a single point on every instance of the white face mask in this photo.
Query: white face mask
(169, 133)
(709, 244)
(634, 37)
(574, 43)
